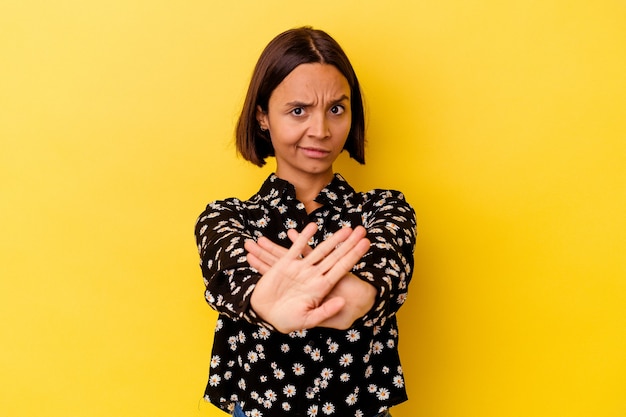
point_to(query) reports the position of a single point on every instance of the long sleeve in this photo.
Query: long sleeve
(388, 265)
(229, 279)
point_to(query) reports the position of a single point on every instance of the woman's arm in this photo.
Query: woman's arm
(388, 264)
(220, 235)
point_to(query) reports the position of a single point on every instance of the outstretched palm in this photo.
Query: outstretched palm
(292, 292)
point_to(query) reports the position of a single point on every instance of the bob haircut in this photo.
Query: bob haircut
(282, 55)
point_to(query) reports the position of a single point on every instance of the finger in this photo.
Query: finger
(255, 255)
(302, 242)
(327, 246)
(339, 263)
(262, 250)
(293, 235)
(257, 264)
(274, 249)
(348, 253)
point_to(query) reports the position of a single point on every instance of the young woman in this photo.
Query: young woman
(308, 274)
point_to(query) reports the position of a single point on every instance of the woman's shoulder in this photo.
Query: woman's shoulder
(382, 202)
(380, 196)
(373, 196)
(235, 203)
(231, 204)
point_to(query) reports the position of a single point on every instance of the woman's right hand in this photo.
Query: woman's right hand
(292, 292)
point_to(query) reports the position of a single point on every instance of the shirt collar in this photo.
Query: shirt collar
(336, 192)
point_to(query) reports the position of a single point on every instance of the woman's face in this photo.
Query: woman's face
(308, 118)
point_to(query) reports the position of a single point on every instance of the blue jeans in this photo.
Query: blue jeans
(238, 412)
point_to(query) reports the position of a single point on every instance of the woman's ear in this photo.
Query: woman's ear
(261, 118)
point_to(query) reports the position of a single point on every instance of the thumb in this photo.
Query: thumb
(326, 310)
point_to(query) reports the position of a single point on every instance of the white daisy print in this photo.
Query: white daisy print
(316, 355)
(298, 333)
(346, 359)
(214, 380)
(398, 381)
(298, 369)
(353, 335)
(264, 333)
(271, 395)
(328, 408)
(383, 394)
(289, 391)
(401, 298)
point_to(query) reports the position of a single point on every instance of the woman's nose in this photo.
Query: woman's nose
(319, 126)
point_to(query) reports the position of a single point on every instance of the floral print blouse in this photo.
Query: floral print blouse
(310, 372)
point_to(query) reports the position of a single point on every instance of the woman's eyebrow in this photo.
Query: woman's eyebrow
(340, 99)
(297, 103)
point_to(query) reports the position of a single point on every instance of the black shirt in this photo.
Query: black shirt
(318, 371)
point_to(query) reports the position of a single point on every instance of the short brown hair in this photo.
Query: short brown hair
(282, 55)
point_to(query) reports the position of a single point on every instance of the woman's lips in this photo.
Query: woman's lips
(314, 152)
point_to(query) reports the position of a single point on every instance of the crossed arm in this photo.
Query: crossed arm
(302, 287)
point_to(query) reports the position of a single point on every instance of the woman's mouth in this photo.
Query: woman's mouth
(312, 152)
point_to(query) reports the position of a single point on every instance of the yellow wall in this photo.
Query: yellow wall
(503, 122)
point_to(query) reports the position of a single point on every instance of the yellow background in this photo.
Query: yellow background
(502, 121)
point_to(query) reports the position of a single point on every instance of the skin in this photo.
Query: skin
(309, 119)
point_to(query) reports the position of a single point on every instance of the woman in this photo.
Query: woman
(307, 275)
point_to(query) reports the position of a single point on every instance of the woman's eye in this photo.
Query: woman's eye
(337, 109)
